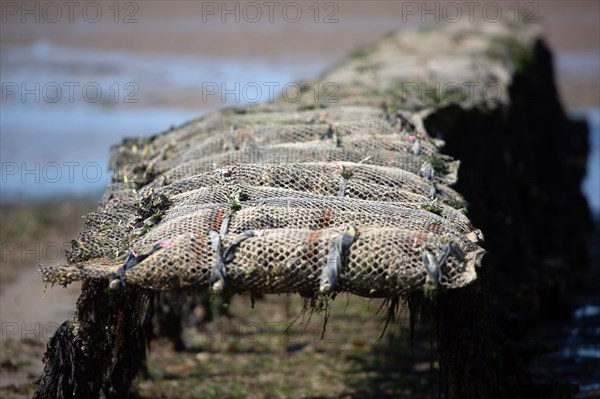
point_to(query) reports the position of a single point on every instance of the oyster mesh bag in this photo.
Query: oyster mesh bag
(283, 197)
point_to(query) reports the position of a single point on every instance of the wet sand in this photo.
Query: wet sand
(184, 28)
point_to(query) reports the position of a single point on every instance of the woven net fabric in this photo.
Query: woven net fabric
(271, 198)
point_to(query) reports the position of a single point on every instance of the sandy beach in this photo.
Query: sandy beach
(167, 30)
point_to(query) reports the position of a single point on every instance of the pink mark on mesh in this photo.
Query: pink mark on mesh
(133, 252)
(166, 244)
(417, 242)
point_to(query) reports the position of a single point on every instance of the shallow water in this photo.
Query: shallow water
(56, 139)
(577, 356)
(591, 183)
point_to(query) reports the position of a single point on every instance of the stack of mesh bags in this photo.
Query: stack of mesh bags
(326, 194)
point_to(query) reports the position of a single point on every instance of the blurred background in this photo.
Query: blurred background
(78, 78)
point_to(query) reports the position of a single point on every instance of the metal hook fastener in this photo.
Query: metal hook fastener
(337, 251)
(117, 281)
(434, 265)
(218, 275)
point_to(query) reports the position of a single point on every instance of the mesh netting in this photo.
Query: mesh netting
(287, 197)
(292, 260)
